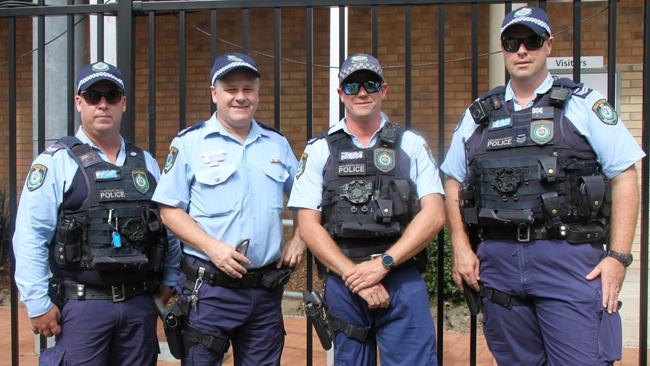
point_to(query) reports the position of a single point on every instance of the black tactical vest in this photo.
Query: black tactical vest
(109, 231)
(368, 197)
(531, 174)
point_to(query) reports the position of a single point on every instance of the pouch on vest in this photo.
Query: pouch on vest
(123, 263)
(67, 248)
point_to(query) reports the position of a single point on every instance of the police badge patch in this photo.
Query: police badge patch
(605, 112)
(140, 181)
(171, 159)
(301, 165)
(541, 131)
(384, 159)
(36, 176)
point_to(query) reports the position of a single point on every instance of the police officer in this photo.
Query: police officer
(542, 174)
(358, 189)
(85, 210)
(222, 195)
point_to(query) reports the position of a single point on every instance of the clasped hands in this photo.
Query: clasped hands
(364, 280)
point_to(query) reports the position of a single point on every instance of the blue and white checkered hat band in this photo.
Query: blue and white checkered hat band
(528, 20)
(231, 66)
(103, 76)
(344, 73)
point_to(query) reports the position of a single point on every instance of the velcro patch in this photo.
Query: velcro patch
(542, 112)
(350, 155)
(352, 169)
(111, 194)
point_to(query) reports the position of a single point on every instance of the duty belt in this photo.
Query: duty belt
(115, 293)
(522, 233)
(215, 277)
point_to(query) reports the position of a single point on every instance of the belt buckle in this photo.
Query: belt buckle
(523, 236)
(118, 293)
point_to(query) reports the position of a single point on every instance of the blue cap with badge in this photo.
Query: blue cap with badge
(534, 18)
(98, 71)
(359, 62)
(231, 61)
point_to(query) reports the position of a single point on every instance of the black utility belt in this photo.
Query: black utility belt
(115, 293)
(268, 276)
(524, 233)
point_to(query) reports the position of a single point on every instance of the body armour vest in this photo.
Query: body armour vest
(368, 197)
(109, 231)
(531, 174)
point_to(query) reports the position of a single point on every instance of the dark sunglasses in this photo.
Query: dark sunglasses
(93, 97)
(532, 42)
(353, 87)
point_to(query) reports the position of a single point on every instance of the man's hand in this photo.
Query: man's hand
(164, 294)
(48, 323)
(612, 274)
(227, 259)
(376, 296)
(292, 252)
(365, 274)
(465, 268)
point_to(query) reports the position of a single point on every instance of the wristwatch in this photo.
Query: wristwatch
(387, 261)
(625, 258)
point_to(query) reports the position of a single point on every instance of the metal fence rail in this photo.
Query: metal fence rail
(126, 11)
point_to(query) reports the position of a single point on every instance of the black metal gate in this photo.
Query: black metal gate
(127, 11)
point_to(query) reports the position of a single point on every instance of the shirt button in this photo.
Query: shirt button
(217, 179)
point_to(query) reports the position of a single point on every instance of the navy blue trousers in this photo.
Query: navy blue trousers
(404, 332)
(100, 332)
(566, 324)
(251, 318)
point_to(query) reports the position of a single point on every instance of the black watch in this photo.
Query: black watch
(387, 261)
(625, 258)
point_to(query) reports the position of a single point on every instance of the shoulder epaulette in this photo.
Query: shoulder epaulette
(52, 149)
(582, 92)
(269, 128)
(191, 128)
(314, 139)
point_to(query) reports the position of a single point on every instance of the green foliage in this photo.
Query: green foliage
(450, 291)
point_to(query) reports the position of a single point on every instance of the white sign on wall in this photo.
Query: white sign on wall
(566, 63)
(593, 73)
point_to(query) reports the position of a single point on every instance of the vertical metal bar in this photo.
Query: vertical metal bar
(40, 93)
(645, 183)
(577, 12)
(440, 276)
(342, 50)
(181, 69)
(71, 91)
(542, 4)
(213, 48)
(100, 34)
(152, 82)
(611, 54)
(374, 30)
(309, 49)
(508, 10)
(408, 16)
(473, 331)
(277, 71)
(245, 15)
(126, 63)
(13, 191)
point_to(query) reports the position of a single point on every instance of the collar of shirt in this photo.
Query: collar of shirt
(341, 125)
(213, 125)
(121, 155)
(543, 88)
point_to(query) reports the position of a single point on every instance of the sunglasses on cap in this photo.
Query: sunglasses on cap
(532, 42)
(93, 97)
(353, 87)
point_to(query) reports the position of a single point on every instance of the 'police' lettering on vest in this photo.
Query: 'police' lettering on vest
(499, 142)
(352, 169)
(111, 194)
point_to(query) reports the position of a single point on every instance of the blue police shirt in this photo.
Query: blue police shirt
(36, 223)
(612, 142)
(308, 190)
(233, 191)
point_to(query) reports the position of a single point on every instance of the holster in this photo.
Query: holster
(56, 292)
(317, 313)
(473, 299)
(276, 278)
(172, 320)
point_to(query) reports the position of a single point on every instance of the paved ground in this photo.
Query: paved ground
(456, 346)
